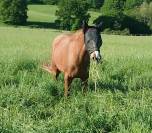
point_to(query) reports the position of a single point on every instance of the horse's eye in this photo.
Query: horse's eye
(88, 41)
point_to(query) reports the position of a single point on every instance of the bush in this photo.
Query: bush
(13, 11)
(117, 32)
(132, 3)
(110, 22)
(145, 13)
(140, 19)
(71, 13)
(135, 26)
(132, 24)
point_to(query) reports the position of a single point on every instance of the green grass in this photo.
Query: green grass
(42, 13)
(46, 13)
(32, 102)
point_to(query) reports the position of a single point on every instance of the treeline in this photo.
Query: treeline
(126, 16)
(93, 3)
(51, 2)
(118, 16)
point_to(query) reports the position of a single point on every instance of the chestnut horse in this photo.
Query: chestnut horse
(71, 54)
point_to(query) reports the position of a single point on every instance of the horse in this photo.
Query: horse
(71, 54)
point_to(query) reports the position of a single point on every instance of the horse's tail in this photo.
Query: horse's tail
(47, 68)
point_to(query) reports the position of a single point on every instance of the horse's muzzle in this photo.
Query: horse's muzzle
(95, 56)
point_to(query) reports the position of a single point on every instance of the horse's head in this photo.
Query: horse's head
(93, 40)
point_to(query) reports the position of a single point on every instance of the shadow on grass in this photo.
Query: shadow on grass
(34, 24)
(108, 86)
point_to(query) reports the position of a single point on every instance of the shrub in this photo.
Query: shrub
(71, 13)
(13, 11)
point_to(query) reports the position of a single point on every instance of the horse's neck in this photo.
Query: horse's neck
(81, 45)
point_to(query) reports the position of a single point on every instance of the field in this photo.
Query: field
(32, 102)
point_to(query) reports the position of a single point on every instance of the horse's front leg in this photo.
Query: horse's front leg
(67, 83)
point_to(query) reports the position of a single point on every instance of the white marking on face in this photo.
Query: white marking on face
(97, 54)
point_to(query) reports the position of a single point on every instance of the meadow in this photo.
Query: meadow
(119, 98)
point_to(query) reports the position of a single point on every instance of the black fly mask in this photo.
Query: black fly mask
(92, 40)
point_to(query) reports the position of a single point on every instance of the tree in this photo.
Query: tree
(51, 2)
(13, 11)
(145, 12)
(71, 13)
(114, 9)
(34, 1)
(95, 3)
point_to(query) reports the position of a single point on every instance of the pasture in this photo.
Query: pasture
(32, 102)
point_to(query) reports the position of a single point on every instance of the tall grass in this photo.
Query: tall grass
(31, 101)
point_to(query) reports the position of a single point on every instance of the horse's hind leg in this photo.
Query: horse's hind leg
(67, 83)
(56, 74)
(52, 69)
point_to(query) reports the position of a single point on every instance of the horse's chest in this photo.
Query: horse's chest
(81, 68)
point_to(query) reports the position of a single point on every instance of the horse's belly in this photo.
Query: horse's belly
(65, 59)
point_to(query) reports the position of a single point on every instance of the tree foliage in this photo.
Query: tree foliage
(51, 2)
(71, 13)
(34, 1)
(145, 12)
(114, 9)
(13, 11)
(95, 3)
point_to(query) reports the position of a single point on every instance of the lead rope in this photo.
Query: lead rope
(94, 74)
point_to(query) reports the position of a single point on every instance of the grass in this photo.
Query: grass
(42, 13)
(46, 13)
(31, 101)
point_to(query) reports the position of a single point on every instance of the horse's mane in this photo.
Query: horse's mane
(78, 34)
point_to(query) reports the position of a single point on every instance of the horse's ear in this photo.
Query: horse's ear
(99, 26)
(84, 25)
